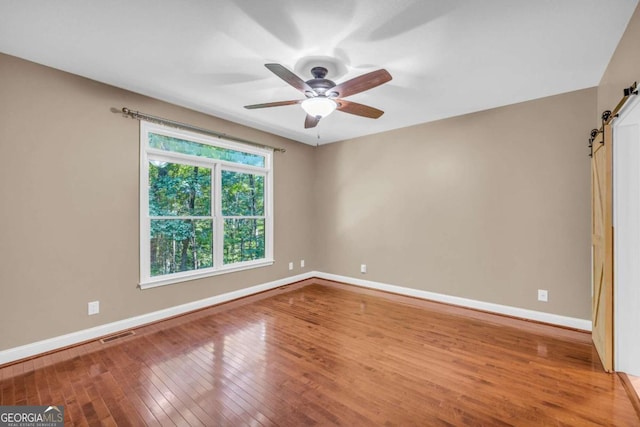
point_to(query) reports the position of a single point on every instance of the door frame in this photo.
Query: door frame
(626, 238)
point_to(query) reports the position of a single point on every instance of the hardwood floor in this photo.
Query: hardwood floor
(328, 354)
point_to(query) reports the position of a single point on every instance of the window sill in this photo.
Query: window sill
(184, 277)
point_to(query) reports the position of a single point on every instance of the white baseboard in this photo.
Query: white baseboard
(39, 347)
(539, 316)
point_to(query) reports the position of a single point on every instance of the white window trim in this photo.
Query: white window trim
(147, 153)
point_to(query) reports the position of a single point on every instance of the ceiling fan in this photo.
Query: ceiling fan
(324, 96)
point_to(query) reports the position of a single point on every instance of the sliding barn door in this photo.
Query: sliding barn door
(602, 241)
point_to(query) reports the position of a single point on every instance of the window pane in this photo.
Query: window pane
(176, 189)
(243, 240)
(242, 194)
(176, 145)
(180, 245)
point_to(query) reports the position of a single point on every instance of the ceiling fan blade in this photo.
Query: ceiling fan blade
(361, 83)
(272, 104)
(290, 78)
(358, 109)
(310, 122)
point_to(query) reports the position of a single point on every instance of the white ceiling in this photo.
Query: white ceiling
(447, 57)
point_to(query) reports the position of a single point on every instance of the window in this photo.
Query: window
(205, 206)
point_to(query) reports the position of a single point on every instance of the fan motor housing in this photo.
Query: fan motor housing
(318, 82)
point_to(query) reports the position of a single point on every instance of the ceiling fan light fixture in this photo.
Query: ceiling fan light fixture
(324, 96)
(319, 106)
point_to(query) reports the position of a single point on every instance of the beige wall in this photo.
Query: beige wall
(489, 206)
(623, 69)
(69, 205)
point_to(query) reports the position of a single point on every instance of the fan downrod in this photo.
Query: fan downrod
(319, 72)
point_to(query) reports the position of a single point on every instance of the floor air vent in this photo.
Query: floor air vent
(117, 336)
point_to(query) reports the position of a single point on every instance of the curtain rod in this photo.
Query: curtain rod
(159, 120)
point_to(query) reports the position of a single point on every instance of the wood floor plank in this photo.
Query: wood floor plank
(323, 353)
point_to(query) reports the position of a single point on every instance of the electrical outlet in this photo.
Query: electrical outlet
(543, 295)
(363, 268)
(93, 308)
(301, 263)
(290, 266)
